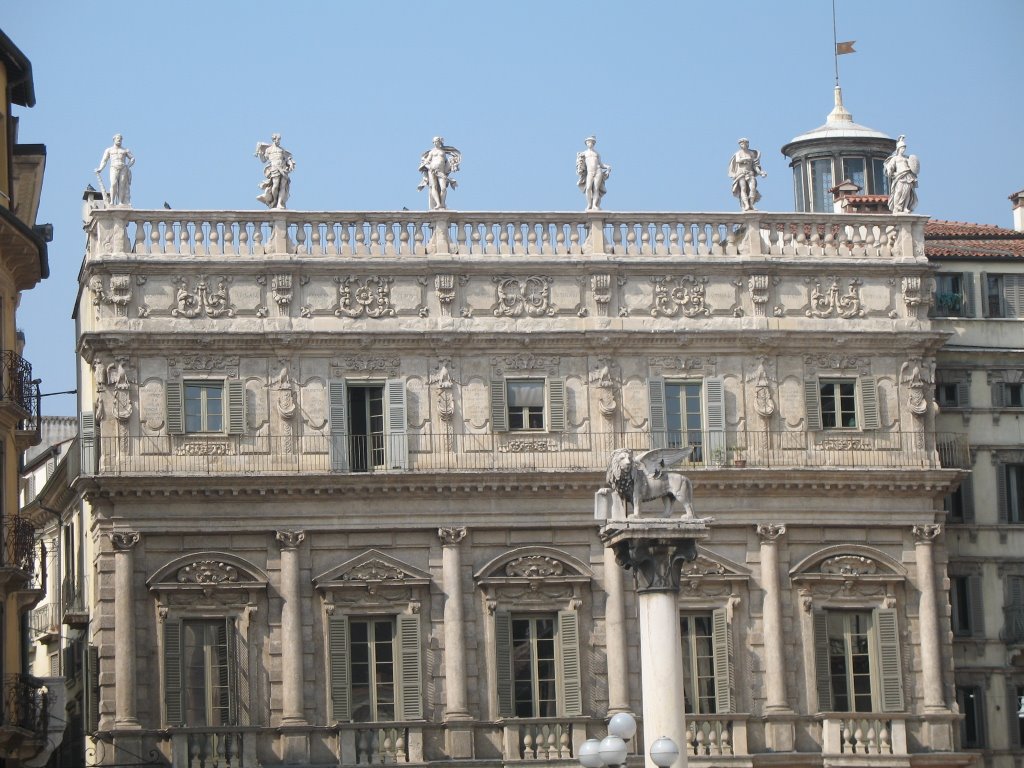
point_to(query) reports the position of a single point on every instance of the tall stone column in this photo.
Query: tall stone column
(928, 615)
(124, 628)
(291, 628)
(615, 634)
(774, 643)
(458, 734)
(655, 550)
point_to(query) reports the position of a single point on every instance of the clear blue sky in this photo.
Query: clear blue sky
(358, 89)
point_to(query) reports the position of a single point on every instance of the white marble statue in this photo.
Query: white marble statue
(437, 164)
(279, 165)
(744, 168)
(636, 478)
(121, 161)
(902, 170)
(592, 174)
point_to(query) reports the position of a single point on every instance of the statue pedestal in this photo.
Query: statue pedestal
(654, 549)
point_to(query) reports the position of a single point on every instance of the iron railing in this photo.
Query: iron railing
(219, 454)
(45, 620)
(25, 703)
(73, 600)
(19, 545)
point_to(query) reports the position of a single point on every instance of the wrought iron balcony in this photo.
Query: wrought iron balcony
(73, 602)
(320, 453)
(19, 389)
(25, 702)
(19, 546)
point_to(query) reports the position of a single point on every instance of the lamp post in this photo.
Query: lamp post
(610, 752)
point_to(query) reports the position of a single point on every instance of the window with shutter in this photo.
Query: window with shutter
(570, 673)
(656, 399)
(236, 406)
(970, 701)
(556, 405)
(339, 430)
(869, 414)
(965, 598)
(708, 685)
(87, 425)
(714, 393)
(503, 662)
(174, 713)
(857, 661)
(411, 668)
(200, 675)
(890, 664)
(538, 665)
(1014, 707)
(397, 442)
(92, 689)
(724, 684)
(812, 405)
(175, 400)
(684, 410)
(1010, 492)
(341, 692)
(1013, 628)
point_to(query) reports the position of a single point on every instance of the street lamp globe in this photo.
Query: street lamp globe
(589, 754)
(664, 752)
(613, 750)
(622, 725)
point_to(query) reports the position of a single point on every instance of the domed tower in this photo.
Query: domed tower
(840, 150)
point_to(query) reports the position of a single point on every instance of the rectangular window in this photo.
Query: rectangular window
(838, 398)
(959, 505)
(366, 427)
(525, 404)
(533, 666)
(798, 187)
(204, 406)
(881, 179)
(369, 427)
(684, 416)
(1013, 629)
(821, 183)
(206, 674)
(1012, 395)
(698, 664)
(372, 658)
(858, 667)
(972, 734)
(1011, 491)
(849, 660)
(948, 395)
(853, 170)
(953, 295)
(966, 608)
(1003, 295)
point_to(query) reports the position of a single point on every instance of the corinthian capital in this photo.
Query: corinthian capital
(123, 541)
(451, 536)
(926, 534)
(290, 539)
(769, 533)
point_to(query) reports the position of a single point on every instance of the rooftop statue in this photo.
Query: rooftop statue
(744, 168)
(121, 161)
(902, 170)
(279, 165)
(636, 478)
(592, 174)
(436, 165)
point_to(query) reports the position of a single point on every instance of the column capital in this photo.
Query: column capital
(769, 533)
(655, 564)
(926, 534)
(289, 539)
(124, 541)
(450, 537)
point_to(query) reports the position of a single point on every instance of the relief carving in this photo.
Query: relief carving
(530, 296)
(601, 379)
(204, 300)
(207, 572)
(370, 297)
(830, 302)
(534, 567)
(758, 286)
(118, 293)
(281, 288)
(525, 362)
(601, 285)
(444, 286)
(684, 295)
(387, 366)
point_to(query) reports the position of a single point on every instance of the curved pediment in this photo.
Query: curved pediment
(849, 561)
(373, 567)
(531, 563)
(208, 571)
(713, 566)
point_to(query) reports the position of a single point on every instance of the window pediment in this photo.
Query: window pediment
(848, 574)
(218, 575)
(373, 581)
(542, 577)
(711, 575)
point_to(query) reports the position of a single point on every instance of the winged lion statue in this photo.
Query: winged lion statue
(637, 478)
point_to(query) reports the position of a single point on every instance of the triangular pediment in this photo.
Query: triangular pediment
(372, 567)
(713, 566)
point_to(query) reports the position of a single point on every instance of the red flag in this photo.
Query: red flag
(846, 47)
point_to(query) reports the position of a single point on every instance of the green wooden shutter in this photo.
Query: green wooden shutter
(499, 406)
(714, 407)
(339, 430)
(337, 646)
(1002, 504)
(963, 393)
(396, 429)
(868, 387)
(410, 676)
(977, 611)
(822, 677)
(242, 685)
(721, 637)
(87, 427)
(969, 304)
(173, 683)
(503, 662)
(175, 397)
(556, 405)
(92, 689)
(998, 401)
(235, 396)
(571, 700)
(812, 404)
(659, 426)
(967, 498)
(890, 665)
(986, 310)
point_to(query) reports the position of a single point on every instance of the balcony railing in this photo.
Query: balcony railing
(44, 621)
(864, 734)
(518, 452)
(74, 594)
(19, 547)
(17, 387)
(24, 703)
(413, 233)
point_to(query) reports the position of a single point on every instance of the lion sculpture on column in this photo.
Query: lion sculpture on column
(636, 478)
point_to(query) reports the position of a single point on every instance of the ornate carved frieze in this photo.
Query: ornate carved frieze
(369, 297)
(374, 579)
(281, 290)
(381, 365)
(537, 445)
(759, 287)
(837, 363)
(916, 294)
(845, 444)
(209, 298)
(830, 302)
(202, 447)
(503, 364)
(535, 567)
(530, 296)
(444, 287)
(848, 574)
(660, 363)
(680, 295)
(541, 576)
(849, 565)
(601, 285)
(226, 364)
(118, 293)
(207, 572)
(374, 570)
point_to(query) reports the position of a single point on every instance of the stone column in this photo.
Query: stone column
(928, 616)
(124, 628)
(458, 734)
(615, 635)
(291, 629)
(774, 643)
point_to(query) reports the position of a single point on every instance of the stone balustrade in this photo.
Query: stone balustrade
(386, 743)
(211, 747)
(714, 735)
(542, 738)
(250, 234)
(864, 734)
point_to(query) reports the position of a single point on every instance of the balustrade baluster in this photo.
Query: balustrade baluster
(884, 740)
(698, 742)
(346, 248)
(517, 239)
(559, 241)
(193, 750)
(713, 746)
(200, 239)
(215, 239)
(564, 751)
(257, 238)
(243, 238)
(528, 743)
(300, 238)
(870, 744)
(847, 738)
(316, 243)
(725, 740)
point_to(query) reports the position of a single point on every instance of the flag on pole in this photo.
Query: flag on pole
(846, 47)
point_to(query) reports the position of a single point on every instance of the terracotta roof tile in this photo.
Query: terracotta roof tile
(966, 240)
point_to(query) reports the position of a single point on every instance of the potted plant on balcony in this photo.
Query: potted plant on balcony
(738, 457)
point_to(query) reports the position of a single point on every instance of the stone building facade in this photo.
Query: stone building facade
(341, 470)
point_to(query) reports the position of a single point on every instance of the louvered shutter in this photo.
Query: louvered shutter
(890, 665)
(175, 397)
(967, 279)
(1013, 706)
(656, 398)
(503, 662)
(1013, 295)
(571, 700)
(1002, 505)
(986, 310)
(228, 672)
(967, 498)
(976, 606)
(242, 686)
(714, 405)
(337, 646)
(87, 427)
(173, 706)
(556, 405)
(812, 404)
(92, 689)
(396, 430)
(998, 399)
(410, 676)
(868, 387)
(822, 678)
(339, 430)
(499, 406)
(963, 393)
(235, 395)
(721, 637)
